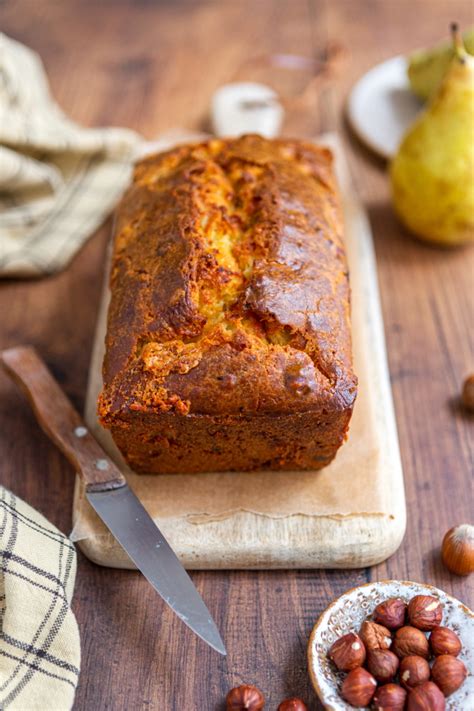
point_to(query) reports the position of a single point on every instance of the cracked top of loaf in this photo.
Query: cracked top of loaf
(229, 284)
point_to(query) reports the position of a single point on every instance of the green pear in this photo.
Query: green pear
(427, 67)
(432, 175)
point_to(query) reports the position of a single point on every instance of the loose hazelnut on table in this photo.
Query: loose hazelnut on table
(375, 636)
(413, 671)
(382, 664)
(457, 550)
(410, 641)
(390, 613)
(467, 397)
(348, 652)
(245, 698)
(426, 697)
(390, 697)
(293, 704)
(425, 612)
(358, 687)
(444, 641)
(448, 673)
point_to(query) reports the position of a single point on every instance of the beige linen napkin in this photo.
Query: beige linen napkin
(39, 638)
(58, 181)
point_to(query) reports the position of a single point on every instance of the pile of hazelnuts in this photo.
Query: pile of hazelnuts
(388, 661)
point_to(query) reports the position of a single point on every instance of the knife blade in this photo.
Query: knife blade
(109, 494)
(137, 533)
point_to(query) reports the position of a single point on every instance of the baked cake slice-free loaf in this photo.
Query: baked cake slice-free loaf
(228, 343)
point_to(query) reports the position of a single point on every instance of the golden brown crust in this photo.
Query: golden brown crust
(230, 294)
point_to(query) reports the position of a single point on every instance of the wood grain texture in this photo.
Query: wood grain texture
(152, 66)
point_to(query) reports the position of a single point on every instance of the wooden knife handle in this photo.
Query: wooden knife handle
(60, 420)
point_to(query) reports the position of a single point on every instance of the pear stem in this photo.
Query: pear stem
(458, 43)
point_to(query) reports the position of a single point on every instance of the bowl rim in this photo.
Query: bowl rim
(387, 581)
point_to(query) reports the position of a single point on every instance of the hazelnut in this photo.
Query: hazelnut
(467, 396)
(382, 664)
(425, 612)
(391, 613)
(245, 697)
(375, 636)
(348, 652)
(358, 687)
(426, 697)
(413, 671)
(293, 704)
(457, 550)
(390, 697)
(410, 641)
(445, 641)
(448, 673)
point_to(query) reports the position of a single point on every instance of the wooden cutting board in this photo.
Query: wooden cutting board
(351, 514)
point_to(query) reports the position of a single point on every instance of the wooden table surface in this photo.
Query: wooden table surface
(153, 66)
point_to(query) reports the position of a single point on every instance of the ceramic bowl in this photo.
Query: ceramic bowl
(347, 613)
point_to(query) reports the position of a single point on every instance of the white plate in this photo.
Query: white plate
(347, 613)
(381, 107)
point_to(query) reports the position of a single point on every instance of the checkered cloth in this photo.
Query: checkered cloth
(39, 638)
(58, 181)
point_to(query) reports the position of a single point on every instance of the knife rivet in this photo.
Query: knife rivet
(80, 431)
(101, 464)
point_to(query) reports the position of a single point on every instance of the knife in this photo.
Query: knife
(107, 491)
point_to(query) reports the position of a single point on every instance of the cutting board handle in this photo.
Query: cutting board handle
(60, 421)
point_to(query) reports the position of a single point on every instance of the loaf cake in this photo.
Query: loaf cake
(228, 343)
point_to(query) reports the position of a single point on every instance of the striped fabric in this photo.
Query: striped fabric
(58, 181)
(39, 638)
